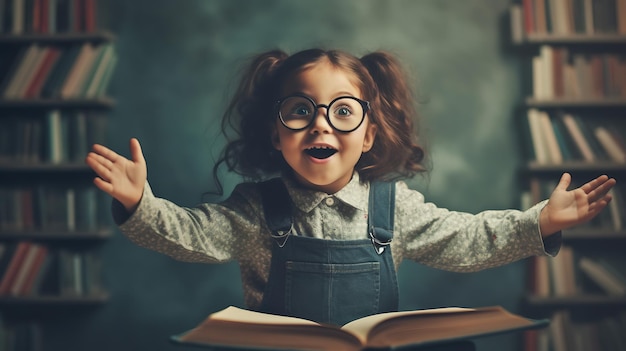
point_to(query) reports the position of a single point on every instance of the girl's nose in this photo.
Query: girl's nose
(320, 122)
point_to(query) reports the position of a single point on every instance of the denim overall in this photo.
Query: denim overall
(330, 281)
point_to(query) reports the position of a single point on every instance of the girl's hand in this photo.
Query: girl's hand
(566, 209)
(118, 176)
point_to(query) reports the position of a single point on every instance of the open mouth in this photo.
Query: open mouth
(320, 152)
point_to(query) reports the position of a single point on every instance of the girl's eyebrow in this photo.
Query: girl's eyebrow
(335, 95)
(344, 93)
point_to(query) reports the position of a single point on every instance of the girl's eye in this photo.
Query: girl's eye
(342, 111)
(302, 110)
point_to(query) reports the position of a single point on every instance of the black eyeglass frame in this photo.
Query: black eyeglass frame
(364, 104)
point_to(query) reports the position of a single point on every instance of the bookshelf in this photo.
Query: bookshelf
(55, 66)
(572, 118)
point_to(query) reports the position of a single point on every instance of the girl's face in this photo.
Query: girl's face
(317, 170)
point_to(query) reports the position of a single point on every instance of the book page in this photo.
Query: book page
(235, 314)
(362, 326)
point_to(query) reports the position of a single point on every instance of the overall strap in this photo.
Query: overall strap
(277, 207)
(382, 203)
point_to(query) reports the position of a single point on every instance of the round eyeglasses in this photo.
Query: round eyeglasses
(344, 114)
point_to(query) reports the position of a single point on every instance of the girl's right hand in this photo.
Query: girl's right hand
(118, 176)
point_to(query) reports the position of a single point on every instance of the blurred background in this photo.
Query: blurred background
(178, 63)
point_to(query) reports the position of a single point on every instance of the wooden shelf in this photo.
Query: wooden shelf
(55, 235)
(576, 301)
(574, 166)
(95, 103)
(572, 39)
(607, 102)
(56, 38)
(593, 234)
(51, 300)
(73, 167)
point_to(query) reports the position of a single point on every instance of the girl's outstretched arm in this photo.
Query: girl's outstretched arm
(118, 176)
(566, 209)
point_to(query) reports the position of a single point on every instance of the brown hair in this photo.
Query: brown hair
(378, 75)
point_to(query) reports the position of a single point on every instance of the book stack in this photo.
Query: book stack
(53, 137)
(49, 209)
(47, 16)
(59, 72)
(32, 269)
(559, 73)
(566, 17)
(20, 336)
(559, 137)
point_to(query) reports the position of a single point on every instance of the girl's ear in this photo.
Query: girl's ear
(370, 135)
(275, 139)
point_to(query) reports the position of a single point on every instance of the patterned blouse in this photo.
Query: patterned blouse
(235, 229)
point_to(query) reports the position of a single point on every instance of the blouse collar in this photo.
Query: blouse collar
(354, 194)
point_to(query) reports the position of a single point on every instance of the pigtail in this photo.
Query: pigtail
(394, 112)
(247, 121)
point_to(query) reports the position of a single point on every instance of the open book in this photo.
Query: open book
(234, 327)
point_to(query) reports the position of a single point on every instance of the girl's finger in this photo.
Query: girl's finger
(105, 152)
(591, 185)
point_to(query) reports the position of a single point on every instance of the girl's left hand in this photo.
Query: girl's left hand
(566, 209)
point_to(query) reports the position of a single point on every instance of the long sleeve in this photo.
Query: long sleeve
(465, 242)
(205, 233)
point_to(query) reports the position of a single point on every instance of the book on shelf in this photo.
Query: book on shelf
(616, 152)
(562, 273)
(539, 143)
(569, 333)
(604, 275)
(517, 25)
(55, 136)
(560, 331)
(79, 70)
(561, 137)
(9, 61)
(539, 276)
(616, 209)
(41, 208)
(32, 269)
(567, 142)
(27, 268)
(52, 86)
(16, 260)
(579, 139)
(7, 249)
(49, 71)
(238, 328)
(47, 16)
(558, 73)
(564, 17)
(549, 134)
(587, 128)
(540, 20)
(98, 72)
(20, 70)
(621, 16)
(35, 85)
(38, 267)
(21, 335)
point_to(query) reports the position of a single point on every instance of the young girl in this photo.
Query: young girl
(324, 238)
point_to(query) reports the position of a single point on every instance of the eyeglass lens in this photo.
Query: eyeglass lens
(344, 114)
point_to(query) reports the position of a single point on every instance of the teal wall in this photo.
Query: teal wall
(176, 67)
